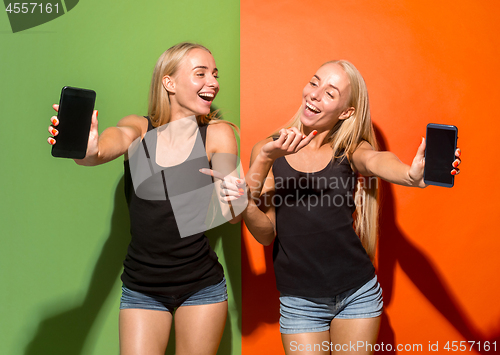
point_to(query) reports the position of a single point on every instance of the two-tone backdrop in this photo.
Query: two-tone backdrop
(64, 228)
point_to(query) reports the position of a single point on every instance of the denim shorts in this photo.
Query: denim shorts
(309, 315)
(208, 295)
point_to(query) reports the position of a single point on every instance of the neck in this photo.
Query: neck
(319, 139)
(179, 129)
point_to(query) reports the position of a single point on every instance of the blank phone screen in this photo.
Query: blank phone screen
(75, 117)
(440, 154)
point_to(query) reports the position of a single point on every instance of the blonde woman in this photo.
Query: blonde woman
(166, 273)
(306, 190)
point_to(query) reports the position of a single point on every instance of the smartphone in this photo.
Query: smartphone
(441, 144)
(75, 116)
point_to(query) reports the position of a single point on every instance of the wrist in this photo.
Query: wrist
(408, 178)
(412, 181)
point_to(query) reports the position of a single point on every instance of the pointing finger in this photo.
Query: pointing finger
(213, 173)
(306, 140)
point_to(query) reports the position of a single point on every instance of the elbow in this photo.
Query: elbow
(265, 240)
(370, 166)
(235, 220)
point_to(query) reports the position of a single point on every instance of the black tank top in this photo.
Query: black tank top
(160, 261)
(316, 251)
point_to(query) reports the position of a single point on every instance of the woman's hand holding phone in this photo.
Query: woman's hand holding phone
(417, 167)
(92, 145)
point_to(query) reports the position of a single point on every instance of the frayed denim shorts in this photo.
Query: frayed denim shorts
(208, 295)
(310, 315)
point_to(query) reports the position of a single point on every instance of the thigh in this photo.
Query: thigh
(199, 328)
(300, 315)
(317, 343)
(354, 336)
(144, 331)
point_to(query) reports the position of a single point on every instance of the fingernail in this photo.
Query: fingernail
(53, 120)
(51, 141)
(96, 113)
(303, 136)
(239, 181)
(315, 132)
(53, 131)
(459, 152)
(455, 164)
(453, 172)
(241, 191)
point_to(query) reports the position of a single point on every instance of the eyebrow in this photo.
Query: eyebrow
(204, 67)
(336, 88)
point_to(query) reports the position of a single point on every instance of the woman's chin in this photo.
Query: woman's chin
(203, 110)
(306, 121)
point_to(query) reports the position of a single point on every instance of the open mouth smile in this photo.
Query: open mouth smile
(312, 108)
(207, 96)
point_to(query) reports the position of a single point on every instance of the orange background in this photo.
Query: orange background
(423, 61)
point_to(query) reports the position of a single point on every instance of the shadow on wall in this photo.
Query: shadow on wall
(66, 333)
(394, 246)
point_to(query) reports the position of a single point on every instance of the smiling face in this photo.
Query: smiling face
(325, 99)
(194, 85)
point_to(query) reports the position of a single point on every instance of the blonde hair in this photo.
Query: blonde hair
(344, 138)
(159, 102)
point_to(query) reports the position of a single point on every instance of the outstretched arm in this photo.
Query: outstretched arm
(111, 143)
(387, 166)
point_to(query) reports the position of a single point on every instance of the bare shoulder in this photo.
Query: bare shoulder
(363, 147)
(221, 128)
(221, 138)
(134, 122)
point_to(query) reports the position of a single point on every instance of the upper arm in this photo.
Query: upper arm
(268, 184)
(132, 127)
(268, 188)
(221, 139)
(360, 159)
(222, 149)
(266, 199)
(115, 141)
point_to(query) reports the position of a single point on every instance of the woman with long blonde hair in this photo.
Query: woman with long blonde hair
(314, 195)
(168, 271)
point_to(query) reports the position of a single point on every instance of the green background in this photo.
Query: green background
(64, 228)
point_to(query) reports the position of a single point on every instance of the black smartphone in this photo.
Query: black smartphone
(75, 116)
(441, 144)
